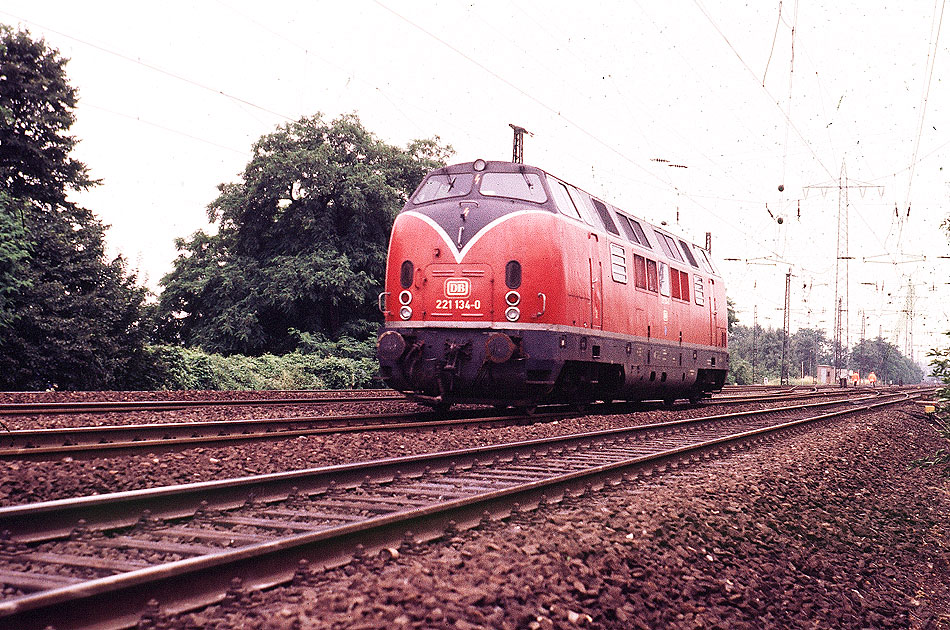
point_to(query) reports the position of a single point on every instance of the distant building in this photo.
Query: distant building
(826, 375)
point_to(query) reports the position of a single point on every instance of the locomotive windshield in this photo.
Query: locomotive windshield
(444, 185)
(526, 186)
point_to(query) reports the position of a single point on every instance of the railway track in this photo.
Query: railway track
(111, 440)
(117, 406)
(96, 562)
(292, 398)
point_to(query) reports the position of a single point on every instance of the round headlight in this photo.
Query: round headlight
(405, 312)
(512, 298)
(512, 314)
(479, 165)
(405, 298)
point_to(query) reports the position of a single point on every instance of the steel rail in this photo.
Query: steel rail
(811, 393)
(106, 406)
(535, 470)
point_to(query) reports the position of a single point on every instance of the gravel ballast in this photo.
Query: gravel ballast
(830, 529)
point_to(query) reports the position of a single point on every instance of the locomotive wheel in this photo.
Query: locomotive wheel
(668, 402)
(528, 410)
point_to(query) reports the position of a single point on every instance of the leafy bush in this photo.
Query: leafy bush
(940, 363)
(345, 346)
(176, 368)
(740, 372)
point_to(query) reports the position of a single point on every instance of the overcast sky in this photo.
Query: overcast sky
(173, 95)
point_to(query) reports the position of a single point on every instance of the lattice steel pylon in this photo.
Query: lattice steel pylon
(785, 326)
(838, 349)
(909, 320)
(841, 271)
(841, 330)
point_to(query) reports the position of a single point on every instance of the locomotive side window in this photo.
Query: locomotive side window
(563, 200)
(444, 185)
(679, 284)
(688, 254)
(652, 283)
(525, 186)
(668, 245)
(703, 266)
(664, 279)
(698, 290)
(704, 258)
(663, 244)
(639, 272)
(626, 229)
(673, 248)
(675, 283)
(605, 216)
(618, 263)
(641, 235)
(582, 201)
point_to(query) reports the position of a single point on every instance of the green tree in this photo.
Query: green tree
(808, 348)
(301, 241)
(886, 361)
(69, 316)
(36, 111)
(13, 256)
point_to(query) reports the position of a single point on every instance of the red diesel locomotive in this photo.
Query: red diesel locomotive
(506, 285)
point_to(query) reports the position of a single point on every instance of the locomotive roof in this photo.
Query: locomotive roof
(497, 166)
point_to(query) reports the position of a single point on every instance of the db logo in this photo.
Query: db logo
(457, 288)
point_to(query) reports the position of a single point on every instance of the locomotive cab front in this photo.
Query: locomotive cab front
(469, 272)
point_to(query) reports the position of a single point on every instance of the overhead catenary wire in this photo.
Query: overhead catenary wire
(389, 95)
(153, 67)
(525, 94)
(185, 134)
(772, 99)
(778, 21)
(932, 50)
(710, 90)
(217, 91)
(791, 77)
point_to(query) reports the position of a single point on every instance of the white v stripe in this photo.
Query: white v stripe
(459, 255)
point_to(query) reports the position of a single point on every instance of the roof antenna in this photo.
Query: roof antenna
(517, 147)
